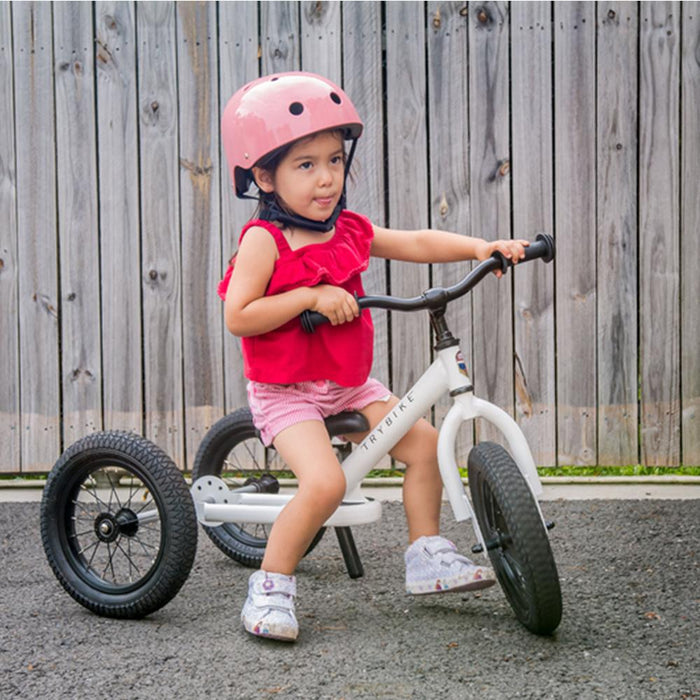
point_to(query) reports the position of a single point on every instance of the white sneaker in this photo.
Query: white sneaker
(433, 565)
(269, 608)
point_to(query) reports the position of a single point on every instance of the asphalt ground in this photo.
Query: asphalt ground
(630, 577)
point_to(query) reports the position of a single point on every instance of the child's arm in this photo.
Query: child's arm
(248, 311)
(433, 246)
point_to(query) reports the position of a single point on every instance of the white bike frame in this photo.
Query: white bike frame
(215, 504)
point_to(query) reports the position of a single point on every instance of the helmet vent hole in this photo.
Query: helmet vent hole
(336, 98)
(296, 108)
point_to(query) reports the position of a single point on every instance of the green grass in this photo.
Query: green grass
(567, 471)
(601, 471)
(630, 470)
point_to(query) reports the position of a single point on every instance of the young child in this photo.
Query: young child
(303, 250)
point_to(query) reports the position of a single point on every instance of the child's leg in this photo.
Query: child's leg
(433, 564)
(422, 486)
(306, 448)
(307, 451)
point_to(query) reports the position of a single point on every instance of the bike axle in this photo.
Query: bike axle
(501, 540)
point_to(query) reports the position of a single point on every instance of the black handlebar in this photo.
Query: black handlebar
(438, 297)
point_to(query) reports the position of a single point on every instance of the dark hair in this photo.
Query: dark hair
(271, 161)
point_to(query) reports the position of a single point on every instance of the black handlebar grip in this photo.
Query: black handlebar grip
(543, 247)
(311, 319)
(503, 261)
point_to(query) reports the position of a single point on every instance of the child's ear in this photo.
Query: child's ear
(263, 179)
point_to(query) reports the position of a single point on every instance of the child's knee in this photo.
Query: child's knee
(419, 446)
(327, 489)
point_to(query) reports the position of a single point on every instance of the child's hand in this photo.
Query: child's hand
(512, 250)
(337, 305)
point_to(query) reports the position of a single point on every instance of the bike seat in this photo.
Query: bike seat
(346, 422)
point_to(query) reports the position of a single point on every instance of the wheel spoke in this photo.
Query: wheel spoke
(84, 533)
(132, 491)
(81, 519)
(94, 546)
(84, 487)
(83, 507)
(129, 558)
(110, 563)
(145, 545)
(146, 504)
(114, 491)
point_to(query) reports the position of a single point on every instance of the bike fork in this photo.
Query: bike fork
(467, 407)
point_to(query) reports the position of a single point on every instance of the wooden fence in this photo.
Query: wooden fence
(495, 119)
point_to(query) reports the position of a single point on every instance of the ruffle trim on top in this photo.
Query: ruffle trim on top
(222, 287)
(332, 262)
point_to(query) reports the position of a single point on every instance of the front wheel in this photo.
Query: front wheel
(118, 525)
(515, 537)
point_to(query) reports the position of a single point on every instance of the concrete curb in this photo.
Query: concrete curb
(672, 487)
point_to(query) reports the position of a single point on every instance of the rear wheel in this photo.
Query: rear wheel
(118, 525)
(516, 538)
(233, 444)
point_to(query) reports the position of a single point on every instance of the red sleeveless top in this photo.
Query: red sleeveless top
(342, 354)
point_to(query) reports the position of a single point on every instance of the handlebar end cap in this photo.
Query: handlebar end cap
(549, 243)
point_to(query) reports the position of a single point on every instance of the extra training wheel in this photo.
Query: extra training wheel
(233, 444)
(515, 537)
(118, 525)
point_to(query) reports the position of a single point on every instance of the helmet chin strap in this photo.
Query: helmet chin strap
(272, 211)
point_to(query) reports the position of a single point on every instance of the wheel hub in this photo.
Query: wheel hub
(109, 527)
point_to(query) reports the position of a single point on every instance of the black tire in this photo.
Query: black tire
(118, 525)
(233, 444)
(516, 538)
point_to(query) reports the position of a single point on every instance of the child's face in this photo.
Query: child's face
(309, 179)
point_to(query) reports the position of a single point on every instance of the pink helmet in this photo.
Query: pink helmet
(276, 110)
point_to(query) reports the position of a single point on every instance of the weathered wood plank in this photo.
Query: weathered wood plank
(9, 328)
(448, 81)
(199, 213)
(690, 238)
(659, 168)
(408, 188)
(321, 38)
(37, 235)
(616, 202)
(489, 127)
(76, 158)
(575, 225)
(362, 68)
(130, 186)
(120, 239)
(531, 110)
(238, 65)
(162, 281)
(279, 37)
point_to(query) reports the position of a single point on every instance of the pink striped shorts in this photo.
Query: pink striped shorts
(279, 406)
